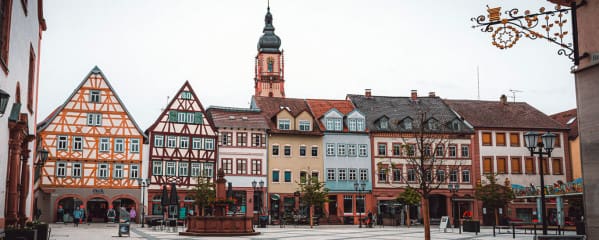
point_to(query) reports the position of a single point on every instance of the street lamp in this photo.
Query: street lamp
(258, 188)
(532, 142)
(359, 187)
(43, 153)
(143, 183)
(454, 188)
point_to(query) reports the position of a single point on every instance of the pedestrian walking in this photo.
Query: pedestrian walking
(60, 214)
(111, 214)
(77, 214)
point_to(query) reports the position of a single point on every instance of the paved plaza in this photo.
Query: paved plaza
(99, 231)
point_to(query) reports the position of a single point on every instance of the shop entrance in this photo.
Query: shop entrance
(68, 205)
(96, 210)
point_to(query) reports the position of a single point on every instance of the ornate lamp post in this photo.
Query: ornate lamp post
(359, 187)
(3, 102)
(453, 189)
(532, 142)
(143, 183)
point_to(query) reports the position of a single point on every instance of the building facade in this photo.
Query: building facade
(500, 149)
(21, 27)
(95, 153)
(569, 119)
(183, 149)
(242, 156)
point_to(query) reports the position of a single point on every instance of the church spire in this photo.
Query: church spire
(269, 42)
(269, 80)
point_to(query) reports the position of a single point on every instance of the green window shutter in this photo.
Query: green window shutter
(198, 118)
(172, 116)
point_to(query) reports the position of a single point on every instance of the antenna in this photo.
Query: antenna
(478, 82)
(514, 91)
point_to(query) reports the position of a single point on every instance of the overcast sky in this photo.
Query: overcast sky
(148, 48)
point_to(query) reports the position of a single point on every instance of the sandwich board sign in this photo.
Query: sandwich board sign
(443, 224)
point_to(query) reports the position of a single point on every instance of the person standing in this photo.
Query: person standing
(60, 214)
(77, 214)
(132, 214)
(111, 214)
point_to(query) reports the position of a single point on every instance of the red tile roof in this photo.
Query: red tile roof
(569, 119)
(494, 114)
(321, 106)
(226, 117)
(271, 106)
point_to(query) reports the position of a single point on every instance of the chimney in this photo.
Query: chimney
(503, 99)
(367, 93)
(431, 94)
(414, 95)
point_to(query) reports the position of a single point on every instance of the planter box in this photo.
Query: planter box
(21, 234)
(42, 231)
(471, 226)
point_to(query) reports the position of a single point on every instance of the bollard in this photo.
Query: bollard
(493, 230)
(535, 228)
(513, 230)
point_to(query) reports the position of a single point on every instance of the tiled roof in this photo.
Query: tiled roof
(226, 117)
(494, 114)
(321, 106)
(397, 109)
(271, 106)
(569, 119)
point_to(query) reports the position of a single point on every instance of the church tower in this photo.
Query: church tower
(269, 80)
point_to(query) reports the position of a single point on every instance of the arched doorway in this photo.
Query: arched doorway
(68, 204)
(437, 208)
(127, 203)
(96, 209)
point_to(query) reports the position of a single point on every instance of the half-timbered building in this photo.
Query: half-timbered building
(182, 149)
(95, 153)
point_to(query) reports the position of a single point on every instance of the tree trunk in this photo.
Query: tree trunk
(311, 213)
(408, 221)
(426, 218)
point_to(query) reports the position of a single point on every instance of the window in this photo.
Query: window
(427, 150)
(338, 124)
(256, 167)
(440, 150)
(407, 124)
(516, 165)
(364, 175)
(383, 123)
(94, 119)
(287, 150)
(6, 12)
(487, 141)
(440, 176)
(257, 140)
(334, 124)
(352, 174)
(314, 176)
(77, 143)
(242, 139)
(103, 170)
(62, 143)
(411, 149)
(501, 165)
(275, 176)
(302, 151)
(453, 151)
(330, 149)
(362, 150)
(341, 149)
(119, 145)
(226, 138)
(352, 124)
(396, 175)
(358, 124)
(158, 141)
(314, 151)
(227, 165)
(61, 169)
(382, 149)
(196, 143)
(428, 176)
(31, 74)
(171, 141)
(411, 175)
(171, 168)
(545, 166)
(455, 125)
(186, 95)
(134, 171)
(331, 174)
(104, 144)
(269, 64)
(342, 174)
(515, 139)
(284, 124)
(275, 150)
(209, 144)
(183, 142)
(382, 175)
(195, 169)
(499, 139)
(557, 142)
(118, 171)
(76, 173)
(94, 96)
(453, 175)
(287, 176)
(304, 125)
(351, 150)
(208, 170)
(487, 165)
(465, 175)
(348, 203)
(183, 168)
(465, 151)
(242, 166)
(181, 117)
(396, 149)
(360, 204)
(303, 177)
(134, 148)
(529, 166)
(157, 168)
(556, 165)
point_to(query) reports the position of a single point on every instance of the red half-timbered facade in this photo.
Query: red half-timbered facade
(183, 148)
(95, 153)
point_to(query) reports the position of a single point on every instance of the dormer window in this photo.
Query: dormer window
(384, 123)
(356, 124)
(284, 124)
(304, 125)
(455, 125)
(407, 124)
(334, 124)
(433, 124)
